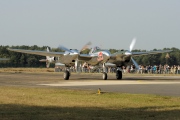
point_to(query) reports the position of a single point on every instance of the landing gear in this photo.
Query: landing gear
(104, 76)
(66, 75)
(104, 72)
(119, 73)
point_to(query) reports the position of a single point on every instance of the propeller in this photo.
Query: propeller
(77, 62)
(86, 46)
(132, 44)
(129, 53)
(135, 63)
(48, 59)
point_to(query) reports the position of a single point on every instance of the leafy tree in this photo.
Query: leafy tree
(112, 51)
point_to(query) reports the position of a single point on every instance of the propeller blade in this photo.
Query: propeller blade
(42, 60)
(86, 46)
(132, 44)
(47, 49)
(135, 63)
(47, 64)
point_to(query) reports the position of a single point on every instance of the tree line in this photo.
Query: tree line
(29, 60)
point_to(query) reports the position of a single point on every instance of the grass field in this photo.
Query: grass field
(29, 103)
(61, 104)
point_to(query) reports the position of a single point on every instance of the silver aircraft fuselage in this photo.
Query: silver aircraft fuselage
(104, 56)
(68, 59)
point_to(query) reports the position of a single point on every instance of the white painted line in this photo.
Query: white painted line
(88, 83)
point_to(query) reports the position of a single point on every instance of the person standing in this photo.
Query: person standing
(178, 69)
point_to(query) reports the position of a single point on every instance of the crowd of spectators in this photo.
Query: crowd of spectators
(155, 69)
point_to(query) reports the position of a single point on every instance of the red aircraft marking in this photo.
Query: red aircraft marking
(100, 56)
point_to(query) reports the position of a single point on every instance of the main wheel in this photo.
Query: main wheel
(104, 76)
(66, 75)
(118, 74)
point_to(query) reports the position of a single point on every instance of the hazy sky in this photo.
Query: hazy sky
(106, 23)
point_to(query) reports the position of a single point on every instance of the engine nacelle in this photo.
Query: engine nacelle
(51, 59)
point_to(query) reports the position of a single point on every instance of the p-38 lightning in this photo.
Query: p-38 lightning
(96, 57)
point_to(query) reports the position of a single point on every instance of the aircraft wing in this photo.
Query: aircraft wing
(36, 52)
(150, 52)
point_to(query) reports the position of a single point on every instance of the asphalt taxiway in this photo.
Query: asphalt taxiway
(135, 84)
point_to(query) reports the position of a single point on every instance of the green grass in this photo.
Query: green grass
(61, 104)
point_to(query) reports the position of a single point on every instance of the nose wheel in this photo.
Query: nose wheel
(104, 76)
(104, 73)
(118, 74)
(66, 75)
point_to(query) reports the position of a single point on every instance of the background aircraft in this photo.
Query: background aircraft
(96, 57)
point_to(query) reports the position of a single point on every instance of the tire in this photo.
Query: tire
(104, 76)
(66, 75)
(118, 75)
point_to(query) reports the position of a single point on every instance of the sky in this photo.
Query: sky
(109, 24)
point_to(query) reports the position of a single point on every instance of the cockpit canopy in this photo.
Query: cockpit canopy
(93, 50)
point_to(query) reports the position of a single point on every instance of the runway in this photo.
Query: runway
(135, 84)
